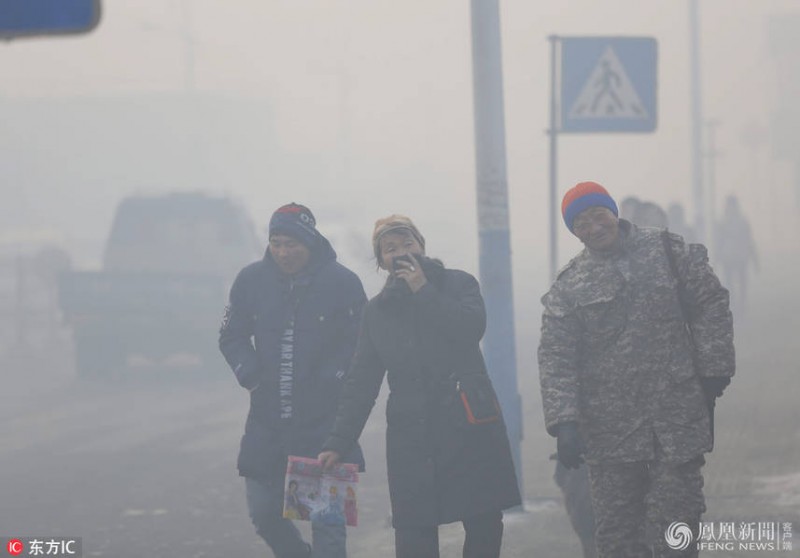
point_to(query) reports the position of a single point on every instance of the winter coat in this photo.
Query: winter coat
(309, 321)
(441, 468)
(616, 357)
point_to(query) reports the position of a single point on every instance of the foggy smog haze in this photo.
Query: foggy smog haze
(360, 109)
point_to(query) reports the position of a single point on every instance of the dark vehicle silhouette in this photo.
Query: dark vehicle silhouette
(156, 304)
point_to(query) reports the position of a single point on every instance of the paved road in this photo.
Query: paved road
(148, 469)
(136, 470)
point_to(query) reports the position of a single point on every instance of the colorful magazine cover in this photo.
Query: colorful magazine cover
(313, 495)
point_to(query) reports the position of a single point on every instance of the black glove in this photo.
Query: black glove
(713, 387)
(570, 446)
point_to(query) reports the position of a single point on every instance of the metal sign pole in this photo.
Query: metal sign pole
(493, 220)
(553, 132)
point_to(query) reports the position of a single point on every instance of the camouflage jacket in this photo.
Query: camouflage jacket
(616, 357)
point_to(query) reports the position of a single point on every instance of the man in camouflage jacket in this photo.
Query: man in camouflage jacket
(624, 384)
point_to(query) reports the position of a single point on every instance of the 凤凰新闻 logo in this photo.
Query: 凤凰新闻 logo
(678, 535)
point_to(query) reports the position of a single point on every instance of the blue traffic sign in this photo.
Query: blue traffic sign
(20, 18)
(608, 84)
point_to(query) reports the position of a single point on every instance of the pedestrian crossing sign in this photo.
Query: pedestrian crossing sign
(608, 84)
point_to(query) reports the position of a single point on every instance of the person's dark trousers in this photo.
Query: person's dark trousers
(483, 537)
(265, 505)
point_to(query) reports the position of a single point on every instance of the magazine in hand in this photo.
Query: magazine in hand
(312, 494)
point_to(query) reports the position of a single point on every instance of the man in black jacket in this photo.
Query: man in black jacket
(289, 334)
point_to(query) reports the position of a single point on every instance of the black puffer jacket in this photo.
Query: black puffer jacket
(324, 304)
(441, 469)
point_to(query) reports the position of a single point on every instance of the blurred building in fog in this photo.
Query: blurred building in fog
(30, 264)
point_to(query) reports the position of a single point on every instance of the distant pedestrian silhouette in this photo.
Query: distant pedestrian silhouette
(628, 208)
(677, 222)
(735, 251)
(650, 214)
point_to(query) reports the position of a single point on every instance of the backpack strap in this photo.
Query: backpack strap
(673, 266)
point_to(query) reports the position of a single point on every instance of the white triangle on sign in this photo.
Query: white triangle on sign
(608, 93)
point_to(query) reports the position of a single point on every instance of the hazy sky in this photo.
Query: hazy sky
(361, 108)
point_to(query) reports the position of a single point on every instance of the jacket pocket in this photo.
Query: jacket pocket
(604, 318)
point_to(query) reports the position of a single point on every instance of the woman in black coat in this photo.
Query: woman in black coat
(424, 328)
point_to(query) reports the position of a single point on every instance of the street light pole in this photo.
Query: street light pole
(697, 122)
(712, 156)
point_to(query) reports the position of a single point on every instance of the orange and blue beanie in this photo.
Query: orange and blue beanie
(297, 221)
(582, 196)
